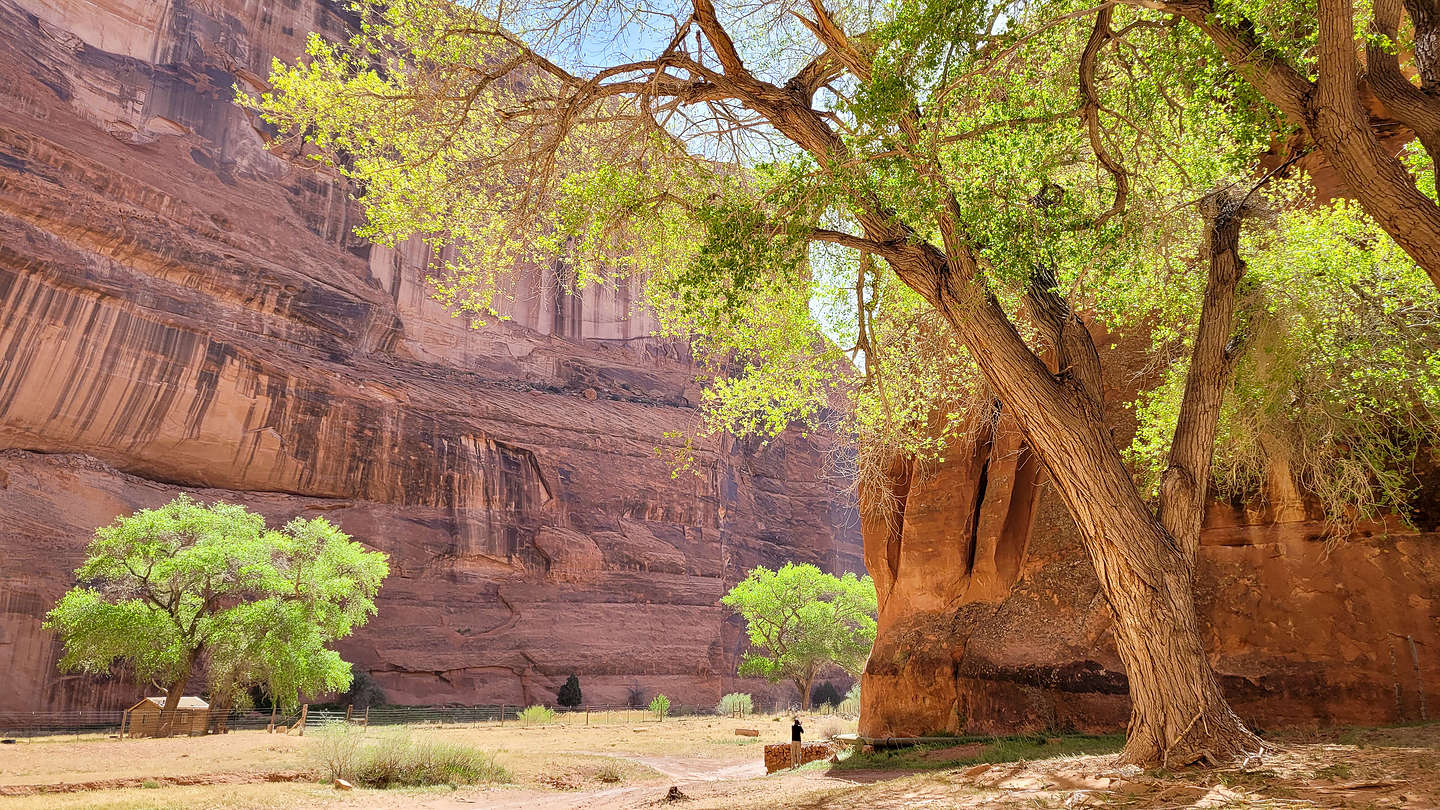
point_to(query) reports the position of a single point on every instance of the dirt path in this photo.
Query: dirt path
(230, 778)
(1399, 772)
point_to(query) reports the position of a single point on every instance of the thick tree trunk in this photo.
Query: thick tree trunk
(1179, 715)
(172, 698)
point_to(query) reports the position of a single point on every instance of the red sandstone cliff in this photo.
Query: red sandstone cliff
(181, 309)
(992, 621)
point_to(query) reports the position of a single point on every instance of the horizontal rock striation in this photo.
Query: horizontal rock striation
(181, 310)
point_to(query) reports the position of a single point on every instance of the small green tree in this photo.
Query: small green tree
(660, 707)
(569, 694)
(800, 619)
(188, 588)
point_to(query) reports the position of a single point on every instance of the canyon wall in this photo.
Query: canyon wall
(182, 311)
(991, 617)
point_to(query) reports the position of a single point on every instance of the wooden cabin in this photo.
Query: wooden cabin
(191, 717)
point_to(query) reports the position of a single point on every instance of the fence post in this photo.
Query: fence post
(587, 715)
(347, 714)
(304, 713)
(502, 714)
(367, 717)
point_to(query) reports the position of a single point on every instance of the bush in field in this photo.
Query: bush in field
(398, 761)
(851, 703)
(537, 714)
(735, 703)
(610, 773)
(660, 706)
(336, 748)
(569, 695)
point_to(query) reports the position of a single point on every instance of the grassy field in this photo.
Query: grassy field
(973, 750)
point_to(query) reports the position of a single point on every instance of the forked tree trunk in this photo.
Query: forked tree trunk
(1179, 715)
(805, 690)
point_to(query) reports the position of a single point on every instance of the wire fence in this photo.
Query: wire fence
(80, 723)
(110, 722)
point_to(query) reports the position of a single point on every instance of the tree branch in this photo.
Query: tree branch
(1090, 113)
(1185, 483)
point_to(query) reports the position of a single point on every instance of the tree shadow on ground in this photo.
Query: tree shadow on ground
(1340, 768)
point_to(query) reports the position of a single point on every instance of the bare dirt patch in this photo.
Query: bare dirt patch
(233, 778)
(569, 769)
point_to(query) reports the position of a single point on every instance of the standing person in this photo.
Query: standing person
(795, 731)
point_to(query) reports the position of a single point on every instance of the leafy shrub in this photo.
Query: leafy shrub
(397, 761)
(735, 703)
(851, 704)
(532, 715)
(569, 694)
(660, 706)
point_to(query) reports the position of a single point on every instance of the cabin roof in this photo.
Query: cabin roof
(186, 702)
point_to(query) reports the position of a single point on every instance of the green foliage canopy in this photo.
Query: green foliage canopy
(480, 129)
(800, 620)
(172, 590)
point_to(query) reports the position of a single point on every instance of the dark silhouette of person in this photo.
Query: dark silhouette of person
(795, 731)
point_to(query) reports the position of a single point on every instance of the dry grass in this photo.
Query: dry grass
(39, 761)
(611, 767)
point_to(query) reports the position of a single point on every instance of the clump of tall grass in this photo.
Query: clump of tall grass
(537, 715)
(735, 704)
(399, 761)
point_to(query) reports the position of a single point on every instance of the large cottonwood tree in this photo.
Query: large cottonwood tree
(187, 590)
(800, 620)
(936, 182)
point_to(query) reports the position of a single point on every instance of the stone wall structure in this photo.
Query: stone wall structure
(181, 310)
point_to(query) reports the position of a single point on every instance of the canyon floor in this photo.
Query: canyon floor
(626, 766)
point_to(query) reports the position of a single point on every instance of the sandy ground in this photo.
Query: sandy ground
(555, 768)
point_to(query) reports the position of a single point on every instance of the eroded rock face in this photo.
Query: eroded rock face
(181, 310)
(992, 620)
